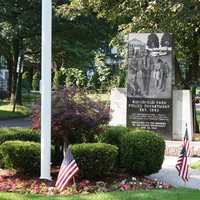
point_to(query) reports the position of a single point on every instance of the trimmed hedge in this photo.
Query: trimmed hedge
(112, 135)
(141, 152)
(23, 134)
(95, 160)
(22, 156)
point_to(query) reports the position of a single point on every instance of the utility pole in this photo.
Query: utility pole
(46, 90)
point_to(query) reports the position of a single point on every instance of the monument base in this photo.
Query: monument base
(182, 114)
(173, 148)
(182, 111)
(118, 106)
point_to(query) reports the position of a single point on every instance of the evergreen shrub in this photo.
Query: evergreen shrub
(112, 135)
(141, 152)
(23, 134)
(95, 160)
(21, 156)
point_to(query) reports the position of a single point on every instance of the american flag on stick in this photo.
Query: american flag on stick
(67, 170)
(183, 160)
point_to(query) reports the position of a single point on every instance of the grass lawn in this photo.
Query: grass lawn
(196, 165)
(173, 194)
(6, 111)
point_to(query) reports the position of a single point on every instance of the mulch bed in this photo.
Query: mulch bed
(10, 181)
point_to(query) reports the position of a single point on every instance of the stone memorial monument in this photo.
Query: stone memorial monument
(147, 101)
(149, 90)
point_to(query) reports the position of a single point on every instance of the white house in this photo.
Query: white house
(3, 76)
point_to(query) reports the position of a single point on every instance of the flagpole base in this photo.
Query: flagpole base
(49, 178)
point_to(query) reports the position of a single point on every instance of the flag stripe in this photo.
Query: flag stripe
(68, 169)
(182, 165)
(62, 180)
(63, 171)
(69, 178)
(65, 174)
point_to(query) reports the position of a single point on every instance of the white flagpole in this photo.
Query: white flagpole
(46, 90)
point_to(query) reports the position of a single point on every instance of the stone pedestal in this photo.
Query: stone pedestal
(182, 114)
(182, 111)
(118, 102)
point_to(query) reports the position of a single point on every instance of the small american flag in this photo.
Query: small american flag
(182, 163)
(67, 170)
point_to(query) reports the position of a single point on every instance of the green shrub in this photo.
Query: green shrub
(36, 81)
(22, 156)
(24, 134)
(112, 135)
(142, 152)
(94, 159)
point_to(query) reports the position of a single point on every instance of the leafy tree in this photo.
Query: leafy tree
(19, 23)
(74, 77)
(78, 34)
(180, 17)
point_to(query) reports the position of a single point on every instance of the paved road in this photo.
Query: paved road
(21, 122)
(168, 174)
(198, 106)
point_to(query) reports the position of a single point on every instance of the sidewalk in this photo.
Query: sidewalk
(169, 174)
(20, 122)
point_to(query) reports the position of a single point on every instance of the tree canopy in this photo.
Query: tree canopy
(181, 18)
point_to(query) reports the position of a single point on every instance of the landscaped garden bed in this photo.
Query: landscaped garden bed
(10, 181)
(110, 159)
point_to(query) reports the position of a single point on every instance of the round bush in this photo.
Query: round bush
(22, 156)
(23, 134)
(112, 135)
(142, 152)
(94, 159)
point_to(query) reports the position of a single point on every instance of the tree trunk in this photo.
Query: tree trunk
(18, 90)
(14, 71)
(31, 75)
(179, 81)
(192, 61)
(194, 112)
(192, 75)
(10, 66)
(14, 82)
(19, 82)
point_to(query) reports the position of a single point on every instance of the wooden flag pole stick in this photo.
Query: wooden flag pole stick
(74, 181)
